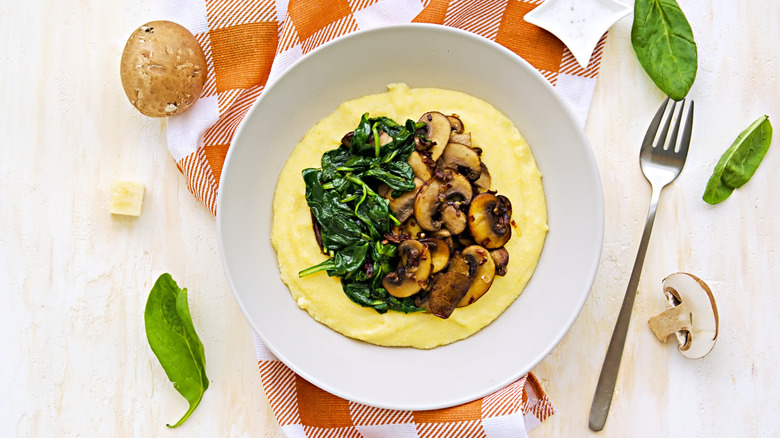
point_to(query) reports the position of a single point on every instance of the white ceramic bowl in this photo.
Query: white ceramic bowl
(422, 56)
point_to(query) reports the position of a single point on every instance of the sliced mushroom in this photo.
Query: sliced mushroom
(463, 138)
(463, 240)
(456, 124)
(409, 229)
(501, 259)
(436, 192)
(403, 206)
(482, 183)
(482, 278)
(464, 264)
(384, 138)
(412, 272)
(441, 233)
(346, 141)
(454, 219)
(384, 190)
(421, 170)
(446, 291)
(440, 253)
(437, 131)
(317, 232)
(489, 220)
(462, 158)
(693, 317)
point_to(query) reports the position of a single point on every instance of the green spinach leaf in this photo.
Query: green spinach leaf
(173, 340)
(352, 217)
(663, 41)
(740, 161)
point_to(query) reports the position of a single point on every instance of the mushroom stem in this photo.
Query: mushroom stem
(670, 322)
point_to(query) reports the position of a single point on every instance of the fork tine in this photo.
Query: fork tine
(676, 129)
(685, 141)
(661, 139)
(652, 130)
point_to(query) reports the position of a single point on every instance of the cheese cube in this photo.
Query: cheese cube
(127, 198)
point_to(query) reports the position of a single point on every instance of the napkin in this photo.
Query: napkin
(248, 43)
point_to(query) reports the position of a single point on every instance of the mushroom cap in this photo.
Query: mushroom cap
(420, 169)
(693, 317)
(163, 69)
(482, 279)
(437, 130)
(440, 253)
(489, 220)
(403, 206)
(412, 272)
(436, 192)
(461, 158)
(409, 229)
(463, 138)
(501, 259)
(454, 219)
(482, 184)
(456, 124)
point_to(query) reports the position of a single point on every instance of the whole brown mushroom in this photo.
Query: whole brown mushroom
(163, 69)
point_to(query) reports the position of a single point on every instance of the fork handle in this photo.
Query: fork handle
(609, 370)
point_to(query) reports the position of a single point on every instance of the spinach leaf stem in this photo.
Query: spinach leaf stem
(327, 264)
(375, 131)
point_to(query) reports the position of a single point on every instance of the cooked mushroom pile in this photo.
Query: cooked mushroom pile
(453, 226)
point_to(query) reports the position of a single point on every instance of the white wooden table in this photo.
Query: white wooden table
(74, 279)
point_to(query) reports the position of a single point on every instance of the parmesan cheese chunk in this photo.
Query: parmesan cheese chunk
(127, 198)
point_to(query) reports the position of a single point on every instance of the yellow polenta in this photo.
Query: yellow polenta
(514, 174)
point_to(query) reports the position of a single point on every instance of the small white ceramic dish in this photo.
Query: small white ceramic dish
(579, 24)
(422, 56)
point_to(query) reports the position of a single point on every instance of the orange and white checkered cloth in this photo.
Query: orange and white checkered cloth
(249, 42)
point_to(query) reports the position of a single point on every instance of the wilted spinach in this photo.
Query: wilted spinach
(352, 217)
(740, 161)
(173, 340)
(663, 41)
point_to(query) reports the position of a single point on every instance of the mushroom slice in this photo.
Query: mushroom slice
(384, 190)
(461, 158)
(419, 167)
(436, 192)
(412, 272)
(456, 124)
(437, 130)
(482, 183)
(693, 317)
(454, 219)
(461, 138)
(446, 291)
(317, 233)
(463, 240)
(346, 141)
(482, 278)
(501, 259)
(409, 229)
(403, 206)
(440, 253)
(464, 264)
(489, 220)
(384, 138)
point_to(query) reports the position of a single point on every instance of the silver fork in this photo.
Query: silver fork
(661, 160)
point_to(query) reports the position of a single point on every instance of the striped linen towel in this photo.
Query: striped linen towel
(249, 42)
